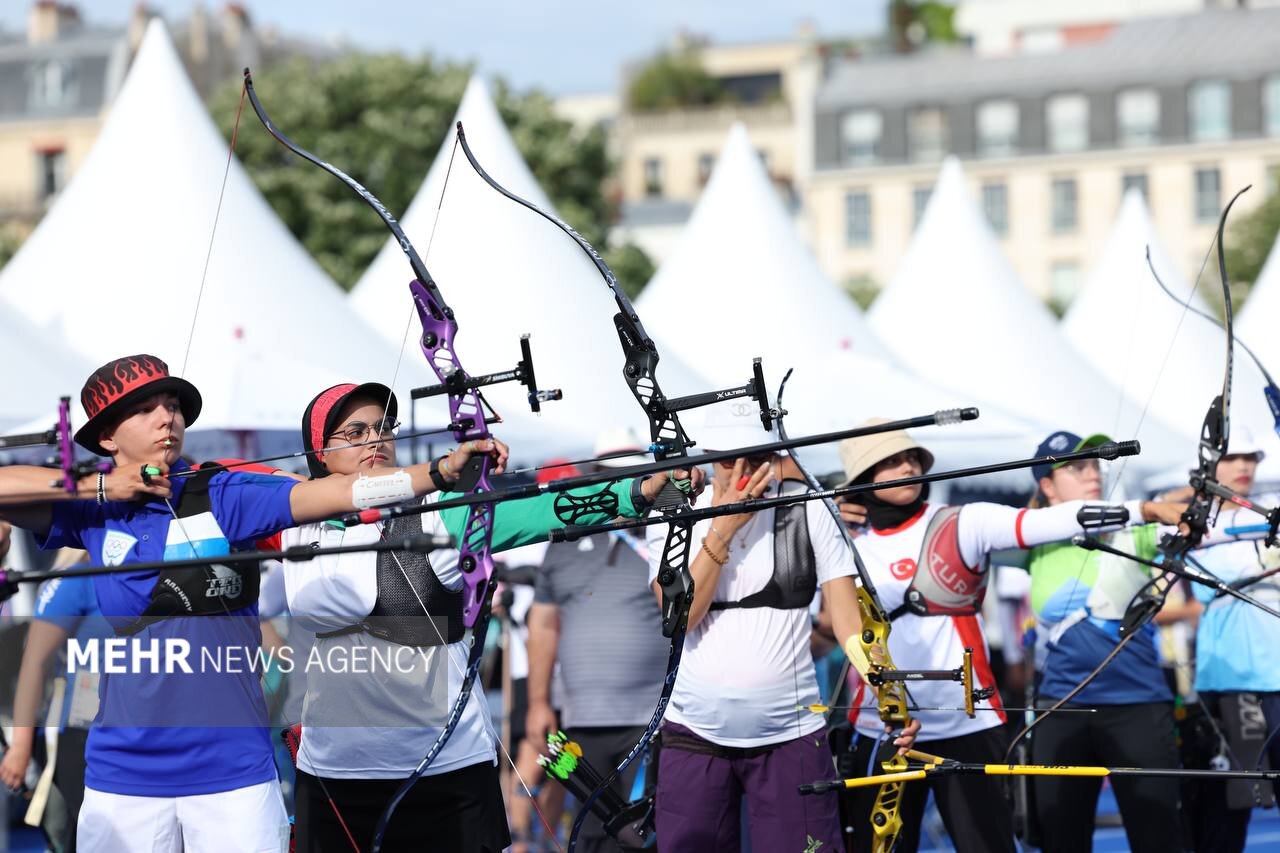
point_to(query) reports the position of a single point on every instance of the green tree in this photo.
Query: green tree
(671, 80)
(381, 119)
(632, 267)
(915, 23)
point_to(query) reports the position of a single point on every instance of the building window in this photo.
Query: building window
(706, 162)
(860, 131)
(995, 204)
(1064, 283)
(919, 201)
(1271, 105)
(1068, 118)
(653, 177)
(1065, 213)
(53, 84)
(51, 172)
(1138, 117)
(857, 218)
(1210, 104)
(1208, 193)
(927, 133)
(1134, 181)
(997, 128)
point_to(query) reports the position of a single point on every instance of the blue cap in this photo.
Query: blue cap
(1063, 442)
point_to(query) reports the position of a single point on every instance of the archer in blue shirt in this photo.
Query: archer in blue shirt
(181, 712)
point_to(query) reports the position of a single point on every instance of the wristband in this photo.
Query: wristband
(102, 488)
(638, 500)
(436, 477)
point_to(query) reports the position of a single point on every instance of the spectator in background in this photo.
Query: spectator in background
(65, 607)
(594, 613)
(6, 535)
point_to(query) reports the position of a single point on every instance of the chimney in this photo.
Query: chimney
(235, 25)
(48, 20)
(198, 35)
(138, 20)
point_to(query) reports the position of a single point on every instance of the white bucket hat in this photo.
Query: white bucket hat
(859, 455)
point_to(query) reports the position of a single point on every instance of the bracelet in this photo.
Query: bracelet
(717, 560)
(102, 488)
(727, 545)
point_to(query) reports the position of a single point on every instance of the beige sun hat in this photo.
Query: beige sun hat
(859, 455)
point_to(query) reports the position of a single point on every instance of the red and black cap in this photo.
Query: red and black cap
(120, 383)
(321, 417)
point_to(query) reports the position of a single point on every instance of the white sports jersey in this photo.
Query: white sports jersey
(938, 642)
(746, 672)
(376, 725)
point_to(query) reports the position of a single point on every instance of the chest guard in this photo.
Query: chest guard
(407, 585)
(198, 590)
(795, 570)
(943, 585)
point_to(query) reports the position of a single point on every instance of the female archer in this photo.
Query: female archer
(365, 728)
(937, 553)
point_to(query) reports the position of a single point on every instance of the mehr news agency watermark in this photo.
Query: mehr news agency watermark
(171, 655)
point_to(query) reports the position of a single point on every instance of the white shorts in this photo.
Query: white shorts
(245, 820)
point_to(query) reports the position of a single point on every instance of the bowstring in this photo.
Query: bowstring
(408, 325)
(382, 533)
(1117, 478)
(404, 340)
(195, 316)
(217, 216)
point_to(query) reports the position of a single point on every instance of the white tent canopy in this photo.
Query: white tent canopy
(956, 313)
(1166, 359)
(38, 371)
(740, 267)
(835, 392)
(116, 266)
(1256, 326)
(506, 271)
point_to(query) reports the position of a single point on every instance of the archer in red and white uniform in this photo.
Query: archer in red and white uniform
(938, 552)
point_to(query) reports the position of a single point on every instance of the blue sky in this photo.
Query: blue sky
(565, 46)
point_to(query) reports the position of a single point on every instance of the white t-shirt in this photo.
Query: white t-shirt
(938, 642)
(746, 671)
(379, 722)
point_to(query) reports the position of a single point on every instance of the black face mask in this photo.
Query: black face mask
(882, 515)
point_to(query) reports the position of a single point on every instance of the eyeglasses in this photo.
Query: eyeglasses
(355, 431)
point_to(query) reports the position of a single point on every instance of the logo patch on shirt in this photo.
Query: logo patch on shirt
(225, 583)
(115, 546)
(902, 569)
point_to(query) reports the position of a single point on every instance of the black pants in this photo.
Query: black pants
(456, 812)
(605, 747)
(68, 777)
(973, 808)
(1139, 735)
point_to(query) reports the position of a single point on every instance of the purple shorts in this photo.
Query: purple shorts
(699, 797)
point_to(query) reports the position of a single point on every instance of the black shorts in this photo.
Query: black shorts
(456, 812)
